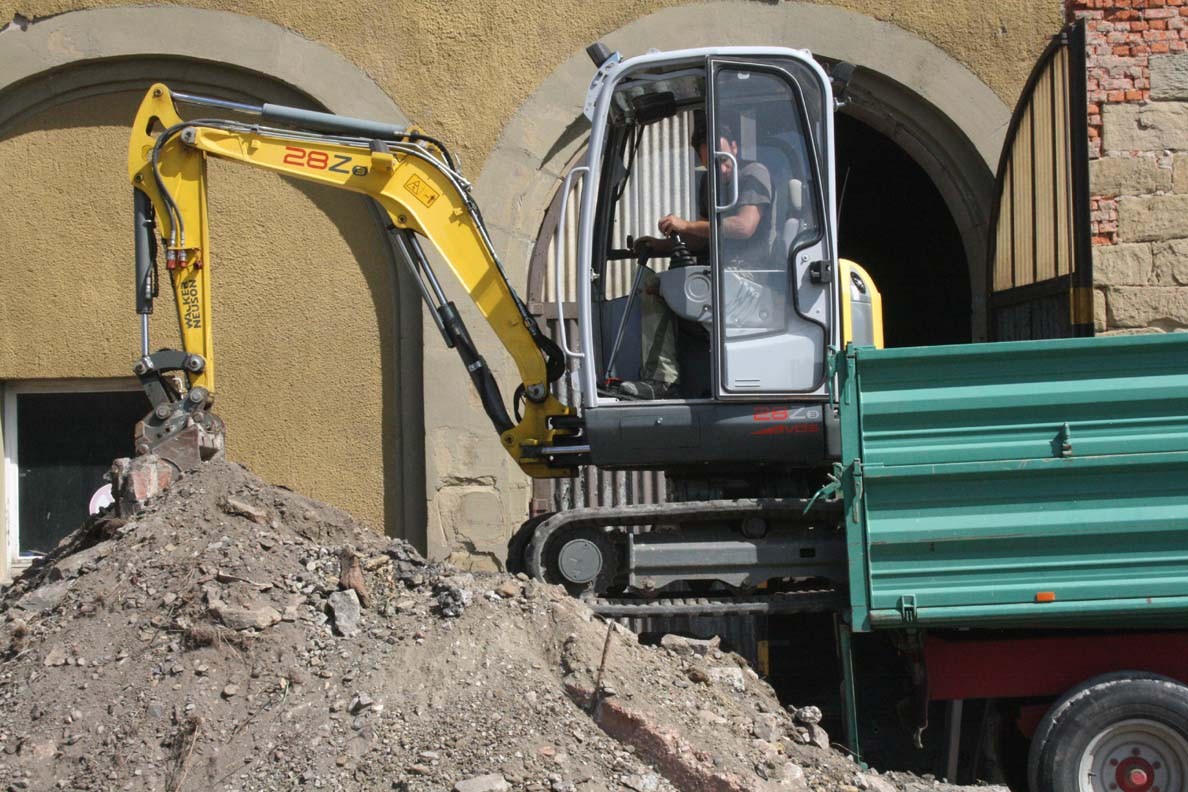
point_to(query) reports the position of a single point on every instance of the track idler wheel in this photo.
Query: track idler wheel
(583, 560)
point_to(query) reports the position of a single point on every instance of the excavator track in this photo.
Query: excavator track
(686, 513)
(815, 601)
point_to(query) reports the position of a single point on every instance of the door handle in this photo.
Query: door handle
(733, 179)
(557, 290)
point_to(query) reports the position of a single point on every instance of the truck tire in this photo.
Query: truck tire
(1120, 732)
(1043, 731)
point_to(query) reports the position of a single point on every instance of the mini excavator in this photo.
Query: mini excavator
(748, 440)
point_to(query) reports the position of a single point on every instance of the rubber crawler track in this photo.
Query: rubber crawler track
(624, 517)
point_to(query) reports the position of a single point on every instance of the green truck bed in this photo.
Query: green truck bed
(1017, 484)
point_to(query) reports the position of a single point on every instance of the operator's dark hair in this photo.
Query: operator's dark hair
(698, 135)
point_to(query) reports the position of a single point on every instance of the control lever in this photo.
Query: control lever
(622, 254)
(681, 257)
(636, 288)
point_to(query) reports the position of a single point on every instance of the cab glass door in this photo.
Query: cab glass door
(774, 267)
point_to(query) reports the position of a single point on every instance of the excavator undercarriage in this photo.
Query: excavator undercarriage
(750, 555)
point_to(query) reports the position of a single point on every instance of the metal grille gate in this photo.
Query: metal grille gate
(1040, 257)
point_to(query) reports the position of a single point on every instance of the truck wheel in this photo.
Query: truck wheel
(1044, 729)
(1123, 732)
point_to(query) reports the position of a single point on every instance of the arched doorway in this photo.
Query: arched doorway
(895, 223)
(310, 309)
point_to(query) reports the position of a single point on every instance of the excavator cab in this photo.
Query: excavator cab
(731, 322)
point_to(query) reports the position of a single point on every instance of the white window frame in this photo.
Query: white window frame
(11, 522)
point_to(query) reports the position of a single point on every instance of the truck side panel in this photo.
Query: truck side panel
(1032, 483)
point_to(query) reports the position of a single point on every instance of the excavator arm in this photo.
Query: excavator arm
(412, 178)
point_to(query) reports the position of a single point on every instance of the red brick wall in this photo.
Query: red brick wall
(1138, 167)
(1121, 36)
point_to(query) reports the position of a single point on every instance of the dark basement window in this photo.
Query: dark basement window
(65, 442)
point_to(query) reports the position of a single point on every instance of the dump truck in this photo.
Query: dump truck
(1015, 517)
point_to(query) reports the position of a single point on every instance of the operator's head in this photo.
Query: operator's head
(726, 142)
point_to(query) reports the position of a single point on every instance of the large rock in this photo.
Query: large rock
(346, 612)
(492, 782)
(253, 615)
(1154, 218)
(1153, 127)
(769, 727)
(642, 782)
(1122, 265)
(1128, 176)
(243, 508)
(79, 563)
(134, 480)
(809, 715)
(56, 656)
(661, 747)
(876, 784)
(1169, 76)
(44, 598)
(690, 646)
(731, 676)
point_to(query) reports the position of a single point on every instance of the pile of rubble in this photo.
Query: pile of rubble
(237, 636)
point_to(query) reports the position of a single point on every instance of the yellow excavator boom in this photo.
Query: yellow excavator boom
(412, 178)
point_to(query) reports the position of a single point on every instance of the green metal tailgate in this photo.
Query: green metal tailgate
(1012, 484)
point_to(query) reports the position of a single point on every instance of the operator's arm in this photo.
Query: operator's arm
(753, 199)
(740, 225)
(417, 187)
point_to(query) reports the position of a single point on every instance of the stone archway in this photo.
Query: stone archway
(81, 38)
(908, 89)
(86, 58)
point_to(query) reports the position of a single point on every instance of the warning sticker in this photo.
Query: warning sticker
(421, 191)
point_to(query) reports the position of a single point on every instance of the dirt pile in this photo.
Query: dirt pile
(238, 636)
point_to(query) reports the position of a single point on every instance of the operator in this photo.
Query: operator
(746, 235)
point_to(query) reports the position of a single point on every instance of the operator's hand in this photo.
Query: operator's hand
(671, 224)
(647, 244)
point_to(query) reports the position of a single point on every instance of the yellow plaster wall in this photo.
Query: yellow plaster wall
(462, 67)
(302, 294)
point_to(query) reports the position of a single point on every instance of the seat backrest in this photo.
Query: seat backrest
(779, 169)
(792, 213)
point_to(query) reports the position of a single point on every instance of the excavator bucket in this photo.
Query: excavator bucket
(185, 444)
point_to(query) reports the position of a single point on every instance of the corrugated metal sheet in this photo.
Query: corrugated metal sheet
(662, 182)
(993, 472)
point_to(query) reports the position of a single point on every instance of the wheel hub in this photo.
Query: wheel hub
(580, 560)
(1135, 774)
(1135, 756)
